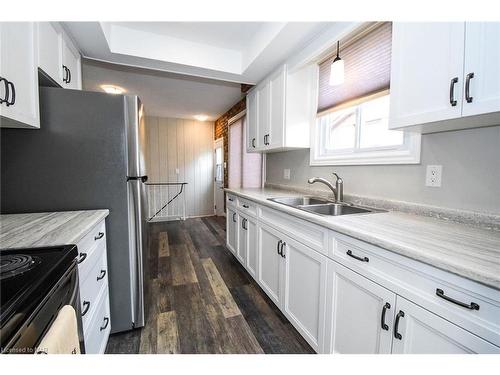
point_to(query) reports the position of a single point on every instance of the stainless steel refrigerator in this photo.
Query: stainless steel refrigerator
(87, 154)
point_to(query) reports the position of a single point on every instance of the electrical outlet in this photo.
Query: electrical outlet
(176, 170)
(433, 175)
(286, 174)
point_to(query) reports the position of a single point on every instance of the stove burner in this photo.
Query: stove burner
(14, 265)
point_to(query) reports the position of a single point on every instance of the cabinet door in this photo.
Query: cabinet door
(276, 138)
(241, 249)
(72, 62)
(18, 65)
(423, 332)
(269, 261)
(426, 59)
(263, 131)
(360, 306)
(305, 291)
(50, 45)
(251, 247)
(252, 120)
(482, 62)
(231, 230)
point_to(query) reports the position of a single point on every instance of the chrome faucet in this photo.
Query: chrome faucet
(337, 190)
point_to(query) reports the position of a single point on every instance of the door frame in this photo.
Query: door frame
(219, 142)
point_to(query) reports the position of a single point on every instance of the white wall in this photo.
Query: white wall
(186, 145)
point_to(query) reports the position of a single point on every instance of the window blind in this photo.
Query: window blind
(367, 63)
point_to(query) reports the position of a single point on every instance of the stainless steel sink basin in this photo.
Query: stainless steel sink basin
(299, 201)
(335, 209)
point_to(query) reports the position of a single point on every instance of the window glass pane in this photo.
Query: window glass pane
(341, 130)
(374, 125)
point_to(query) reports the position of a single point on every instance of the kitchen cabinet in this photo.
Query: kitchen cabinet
(50, 45)
(362, 314)
(71, 65)
(19, 78)
(232, 229)
(444, 73)
(270, 264)
(281, 109)
(247, 245)
(241, 248)
(419, 331)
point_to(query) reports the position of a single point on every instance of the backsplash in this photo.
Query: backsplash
(470, 182)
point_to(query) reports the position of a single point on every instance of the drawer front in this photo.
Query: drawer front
(87, 245)
(309, 234)
(247, 207)
(92, 284)
(96, 335)
(470, 305)
(231, 200)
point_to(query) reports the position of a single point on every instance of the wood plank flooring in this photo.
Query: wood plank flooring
(201, 300)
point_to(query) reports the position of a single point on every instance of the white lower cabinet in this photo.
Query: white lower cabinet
(419, 331)
(231, 229)
(249, 239)
(270, 264)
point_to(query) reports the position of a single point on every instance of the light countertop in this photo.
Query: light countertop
(47, 228)
(465, 250)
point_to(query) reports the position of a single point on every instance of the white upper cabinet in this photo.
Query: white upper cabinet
(18, 75)
(280, 110)
(50, 45)
(443, 72)
(482, 68)
(71, 67)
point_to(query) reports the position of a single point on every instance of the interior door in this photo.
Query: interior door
(219, 176)
(360, 307)
(418, 331)
(482, 62)
(269, 261)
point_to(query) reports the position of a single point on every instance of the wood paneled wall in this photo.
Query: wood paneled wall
(180, 150)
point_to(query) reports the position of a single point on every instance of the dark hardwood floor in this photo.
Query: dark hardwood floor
(201, 300)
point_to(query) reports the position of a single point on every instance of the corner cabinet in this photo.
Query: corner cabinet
(445, 76)
(280, 110)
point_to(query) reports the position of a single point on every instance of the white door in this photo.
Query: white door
(269, 261)
(232, 230)
(72, 63)
(277, 110)
(241, 249)
(18, 67)
(482, 62)
(418, 331)
(426, 72)
(219, 176)
(305, 291)
(50, 51)
(263, 117)
(251, 246)
(252, 120)
(360, 307)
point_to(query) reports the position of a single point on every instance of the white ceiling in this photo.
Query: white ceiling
(165, 94)
(231, 51)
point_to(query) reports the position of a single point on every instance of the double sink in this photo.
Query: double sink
(322, 206)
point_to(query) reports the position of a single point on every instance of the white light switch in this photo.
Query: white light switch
(286, 174)
(433, 175)
(176, 170)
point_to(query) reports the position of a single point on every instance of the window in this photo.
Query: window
(352, 125)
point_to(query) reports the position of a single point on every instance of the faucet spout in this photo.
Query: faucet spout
(338, 190)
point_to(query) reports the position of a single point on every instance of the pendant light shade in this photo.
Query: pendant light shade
(337, 70)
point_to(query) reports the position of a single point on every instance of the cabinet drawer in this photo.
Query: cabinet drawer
(91, 285)
(96, 335)
(87, 245)
(231, 200)
(309, 234)
(443, 293)
(247, 207)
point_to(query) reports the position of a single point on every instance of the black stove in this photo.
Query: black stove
(26, 278)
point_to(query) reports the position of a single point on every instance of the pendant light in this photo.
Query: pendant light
(337, 69)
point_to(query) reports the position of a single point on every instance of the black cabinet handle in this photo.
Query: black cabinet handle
(453, 102)
(86, 307)
(12, 95)
(234, 217)
(82, 257)
(101, 276)
(278, 247)
(230, 199)
(470, 306)
(65, 74)
(282, 250)
(69, 75)
(468, 77)
(400, 315)
(361, 259)
(99, 236)
(244, 224)
(386, 307)
(253, 142)
(106, 322)
(245, 206)
(5, 99)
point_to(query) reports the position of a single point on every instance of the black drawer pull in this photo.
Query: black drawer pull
(106, 322)
(83, 256)
(453, 102)
(386, 307)
(234, 217)
(470, 306)
(279, 247)
(361, 259)
(253, 142)
(245, 206)
(101, 276)
(468, 77)
(99, 236)
(86, 307)
(400, 315)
